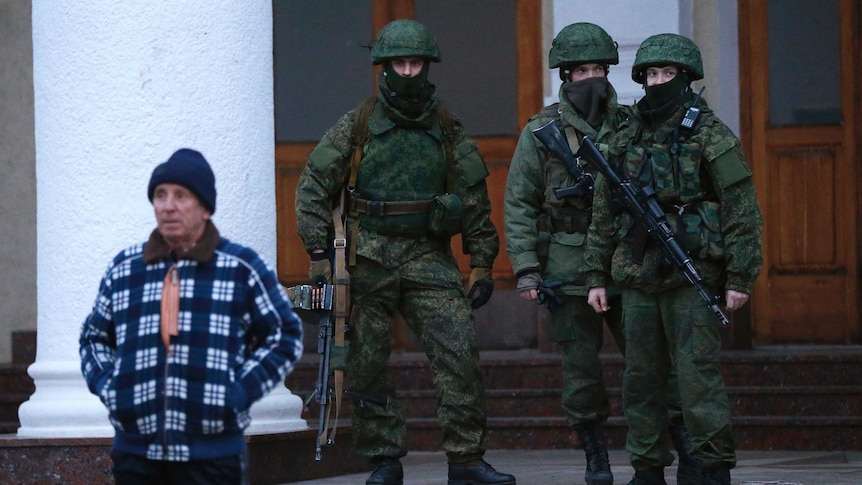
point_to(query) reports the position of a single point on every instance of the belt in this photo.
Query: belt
(379, 208)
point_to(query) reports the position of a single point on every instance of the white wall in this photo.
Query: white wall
(712, 24)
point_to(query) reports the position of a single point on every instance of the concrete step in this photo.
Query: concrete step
(779, 366)
(798, 401)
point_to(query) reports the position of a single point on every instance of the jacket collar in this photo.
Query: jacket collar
(157, 249)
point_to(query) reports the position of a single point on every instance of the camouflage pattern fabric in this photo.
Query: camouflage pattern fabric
(609, 257)
(664, 49)
(405, 38)
(417, 277)
(325, 175)
(427, 291)
(674, 329)
(582, 42)
(533, 175)
(579, 331)
(667, 325)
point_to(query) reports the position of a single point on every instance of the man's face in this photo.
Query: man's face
(586, 71)
(407, 66)
(180, 215)
(660, 75)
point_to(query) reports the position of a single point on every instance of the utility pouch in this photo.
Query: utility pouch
(444, 215)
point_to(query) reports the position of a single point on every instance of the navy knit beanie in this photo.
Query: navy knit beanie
(190, 169)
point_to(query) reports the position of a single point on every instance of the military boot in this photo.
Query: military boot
(598, 469)
(688, 470)
(477, 472)
(653, 476)
(388, 472)
(716, 475)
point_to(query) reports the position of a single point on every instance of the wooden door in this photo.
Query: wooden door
(800, 92)
(497, 150)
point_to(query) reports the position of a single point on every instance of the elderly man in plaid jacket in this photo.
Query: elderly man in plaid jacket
(187, 331)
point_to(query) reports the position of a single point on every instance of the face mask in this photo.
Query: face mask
(659, 95)
(589, 97)
(406, 87)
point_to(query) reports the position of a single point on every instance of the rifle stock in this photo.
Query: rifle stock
(641, 203)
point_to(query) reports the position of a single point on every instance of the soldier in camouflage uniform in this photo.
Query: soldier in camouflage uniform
(704, 184)
(419, 181)
(545, 234)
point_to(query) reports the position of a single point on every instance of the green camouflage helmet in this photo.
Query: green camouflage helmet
(664, 49)
(404, 38)
(582, 43)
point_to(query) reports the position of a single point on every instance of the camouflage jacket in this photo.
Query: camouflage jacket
(710, 169)
(326, 173)
(534, 174)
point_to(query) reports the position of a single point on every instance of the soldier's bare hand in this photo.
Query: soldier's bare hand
(735, 299)
(598, 299)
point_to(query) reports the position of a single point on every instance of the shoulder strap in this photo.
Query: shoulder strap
(359, 134)
(447, 126)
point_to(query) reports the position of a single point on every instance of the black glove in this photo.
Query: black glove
(484, 289)
(547, 296)
(481, 286)
(320, 270)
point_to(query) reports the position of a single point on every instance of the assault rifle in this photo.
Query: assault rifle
(642, 204)
(556, 142)
(318, 302)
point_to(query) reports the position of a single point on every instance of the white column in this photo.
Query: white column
(118, 86)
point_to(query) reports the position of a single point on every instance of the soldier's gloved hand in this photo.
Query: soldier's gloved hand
(528, 284)
(320, 271)
(547, 296)
(481, 286)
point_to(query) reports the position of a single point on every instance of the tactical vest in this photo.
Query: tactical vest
(399, 179)
(670, 162)
(570, 214)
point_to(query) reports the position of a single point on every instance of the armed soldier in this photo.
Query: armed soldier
(675, 145)
(545, 232)
(413, 178)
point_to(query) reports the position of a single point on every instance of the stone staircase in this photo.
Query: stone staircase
(783, 398)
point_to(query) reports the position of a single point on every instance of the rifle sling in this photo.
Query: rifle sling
(341, 311)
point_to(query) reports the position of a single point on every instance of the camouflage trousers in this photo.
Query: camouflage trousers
(579, 331)
(669, 331)
(428, 293)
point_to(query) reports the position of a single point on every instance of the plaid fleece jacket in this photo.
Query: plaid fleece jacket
(238, 339)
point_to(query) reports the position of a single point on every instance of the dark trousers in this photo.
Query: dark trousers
(138, 470)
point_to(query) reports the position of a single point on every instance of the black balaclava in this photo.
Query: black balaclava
(409, 95)
(659, 95)
(661, 100)
(589, 97)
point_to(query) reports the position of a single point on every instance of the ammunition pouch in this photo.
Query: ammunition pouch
(698, 227)
(444, 215)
